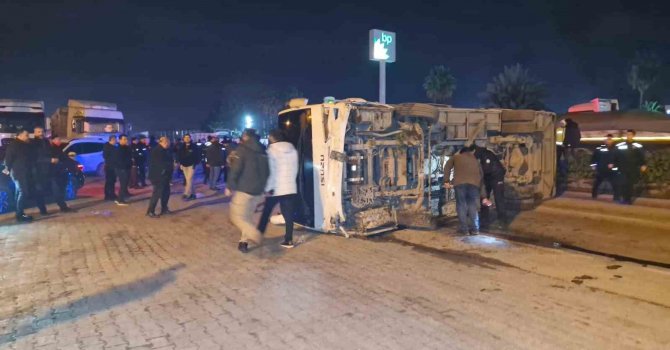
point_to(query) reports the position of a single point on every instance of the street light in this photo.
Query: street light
(248, 122)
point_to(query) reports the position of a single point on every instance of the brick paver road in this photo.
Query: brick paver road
(109, 278)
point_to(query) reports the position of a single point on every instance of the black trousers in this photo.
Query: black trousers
(287, 204)
(611, 177)
(124, 177)
(498, 190)
(628, 182)
(205, 170)
(161, 192)
(110, 182)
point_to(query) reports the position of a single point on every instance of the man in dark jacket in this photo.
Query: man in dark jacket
(188, 157)
(19, 164)
(631, 163)
(123, 162)
(572, 136)
(602, 162)
(246, 182)
(59, 173)
(494, 181)
(109, 155)
(43, 163)
(215, 161)
(160, 174)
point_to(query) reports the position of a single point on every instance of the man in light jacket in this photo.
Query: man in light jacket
(247, 179)
(281, 186)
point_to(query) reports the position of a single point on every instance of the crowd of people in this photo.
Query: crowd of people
(39, 168)
(254, 174)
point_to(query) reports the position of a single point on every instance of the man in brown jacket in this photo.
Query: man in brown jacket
(467, 182)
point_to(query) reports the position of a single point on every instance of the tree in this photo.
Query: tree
(515, 88)
(439, 84)
(644, 72)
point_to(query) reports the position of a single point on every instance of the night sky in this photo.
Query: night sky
(166, 63)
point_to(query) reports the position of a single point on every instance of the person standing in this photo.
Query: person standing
(141, 160)
(602, 162)
(215, 160)
(494, 181)
(59, 173)
(123, 163)
(246, 182)
(134, 170)
(202, 145)
(42, 170)
(282, 185)
(467, 182)
(188, 158)
(19, 164)
(109, 154)
(160, 174)
(631, 163)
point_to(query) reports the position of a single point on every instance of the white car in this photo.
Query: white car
(88, 152)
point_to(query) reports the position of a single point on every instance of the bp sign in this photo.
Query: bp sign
(382, 46)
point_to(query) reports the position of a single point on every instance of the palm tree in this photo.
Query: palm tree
(439, 84)
(515, 88)
(644, 72)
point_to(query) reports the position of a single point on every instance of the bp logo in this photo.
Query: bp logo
(382, 45)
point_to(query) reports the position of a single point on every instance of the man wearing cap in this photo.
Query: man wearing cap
(246, 183)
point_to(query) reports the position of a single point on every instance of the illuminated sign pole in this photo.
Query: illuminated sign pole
(382, 49)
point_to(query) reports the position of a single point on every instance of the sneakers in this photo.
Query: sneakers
(287, 244)
(24, 218)
(67, 210)
(473, 232)
(166, 212)
(188, 198)
(153, 215)
(121, 203)
(243, 247)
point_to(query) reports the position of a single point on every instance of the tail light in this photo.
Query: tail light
(80, 167)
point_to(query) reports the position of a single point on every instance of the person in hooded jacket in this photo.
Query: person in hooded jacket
(281, 186)
(247, 178)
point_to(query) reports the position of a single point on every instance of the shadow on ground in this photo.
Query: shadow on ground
(22, 326)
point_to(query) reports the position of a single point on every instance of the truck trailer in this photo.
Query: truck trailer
(367, 167)
(86, 118)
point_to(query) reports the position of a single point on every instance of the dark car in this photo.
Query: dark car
(75, 181)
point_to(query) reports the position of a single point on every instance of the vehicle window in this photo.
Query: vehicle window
(86, 148)
(76, 148)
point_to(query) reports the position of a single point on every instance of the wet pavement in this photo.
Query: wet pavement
(107, 277)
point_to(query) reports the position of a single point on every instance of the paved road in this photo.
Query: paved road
(109, 278)
(641, 231)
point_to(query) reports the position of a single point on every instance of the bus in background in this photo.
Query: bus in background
(86, 118)
(18, 115)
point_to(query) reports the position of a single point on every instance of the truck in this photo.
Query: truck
(366, 167)
(86, 118)
(18, 115)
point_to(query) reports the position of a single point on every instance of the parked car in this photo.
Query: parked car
(88, 152)
(76, 181)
